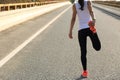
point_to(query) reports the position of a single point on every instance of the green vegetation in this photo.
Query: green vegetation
(72, 1)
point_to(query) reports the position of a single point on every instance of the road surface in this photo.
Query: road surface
(51, 55)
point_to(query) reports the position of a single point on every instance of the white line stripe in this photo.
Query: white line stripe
(20, 47)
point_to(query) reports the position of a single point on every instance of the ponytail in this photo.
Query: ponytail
(81, 2)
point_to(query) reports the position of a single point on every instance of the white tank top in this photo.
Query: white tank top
(83, 16)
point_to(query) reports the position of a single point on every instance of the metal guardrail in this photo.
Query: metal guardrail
(109, 3)
(7, 7)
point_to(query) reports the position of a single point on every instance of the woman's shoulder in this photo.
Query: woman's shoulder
(89, 2)
(76, 2)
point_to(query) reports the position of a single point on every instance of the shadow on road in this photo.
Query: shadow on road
(109, 13)
(81, 78)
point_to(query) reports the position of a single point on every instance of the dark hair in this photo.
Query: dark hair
(81, 2)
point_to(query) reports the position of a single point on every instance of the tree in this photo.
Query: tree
(72, 1)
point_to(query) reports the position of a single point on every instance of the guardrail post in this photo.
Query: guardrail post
(0, 8)
(6, 8)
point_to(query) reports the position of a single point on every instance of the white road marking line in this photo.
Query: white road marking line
(20, 47)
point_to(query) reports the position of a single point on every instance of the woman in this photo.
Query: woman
(86, 18)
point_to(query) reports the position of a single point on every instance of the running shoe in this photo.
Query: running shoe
(92, 28)
(84, 74)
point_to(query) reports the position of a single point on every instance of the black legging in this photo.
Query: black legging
(82, 37)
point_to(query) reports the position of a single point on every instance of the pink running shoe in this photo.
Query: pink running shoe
(84, 74)
(92, 28)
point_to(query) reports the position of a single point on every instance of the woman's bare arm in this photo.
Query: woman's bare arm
(91, 11)
(72, 21)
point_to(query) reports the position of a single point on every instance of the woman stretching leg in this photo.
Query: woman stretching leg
(83, 9)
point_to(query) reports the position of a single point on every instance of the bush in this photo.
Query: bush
(72, 1)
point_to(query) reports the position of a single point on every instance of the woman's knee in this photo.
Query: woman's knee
(98, 48)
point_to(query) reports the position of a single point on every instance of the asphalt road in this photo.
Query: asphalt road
(53, 56)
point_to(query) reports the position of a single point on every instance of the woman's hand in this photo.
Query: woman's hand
(91, 23)
(70, 35)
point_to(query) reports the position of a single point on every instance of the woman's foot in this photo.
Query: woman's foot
(85, 74)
